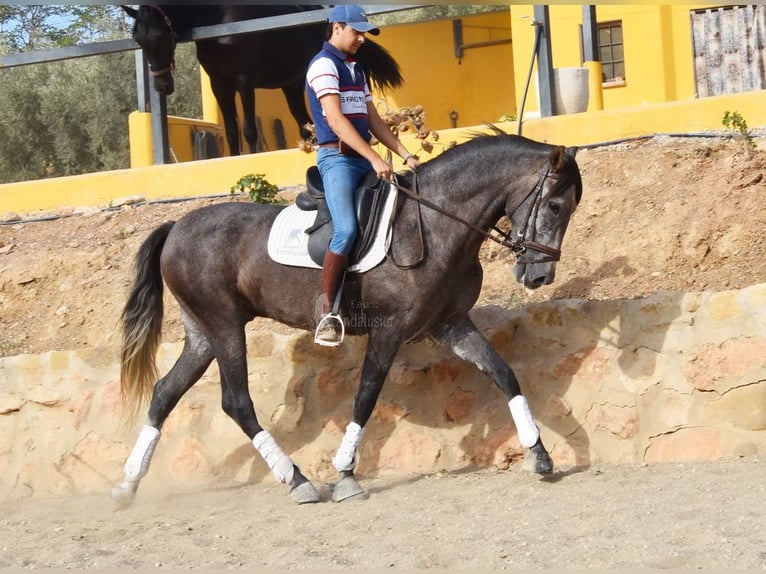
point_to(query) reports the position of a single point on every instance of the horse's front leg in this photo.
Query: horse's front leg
(468, 343)
(381, 350)
(225, 96)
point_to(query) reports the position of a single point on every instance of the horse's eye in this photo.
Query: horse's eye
(554, 207)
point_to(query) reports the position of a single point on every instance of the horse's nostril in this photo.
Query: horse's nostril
(538, 282)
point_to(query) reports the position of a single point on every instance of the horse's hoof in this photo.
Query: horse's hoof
(123, 496)
(305, 493)
(539, 463)
(348, 489)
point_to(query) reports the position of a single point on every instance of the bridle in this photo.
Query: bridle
(174, 38)
(518, 244)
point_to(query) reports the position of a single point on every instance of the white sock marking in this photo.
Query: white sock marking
(525, 422)
(138, 462)
(345, 458)
(279, 463)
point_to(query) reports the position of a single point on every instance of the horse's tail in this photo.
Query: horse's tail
(381, 68)
(142, 324)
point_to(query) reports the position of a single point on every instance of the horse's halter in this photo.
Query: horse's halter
(174, 38)
(517, 245)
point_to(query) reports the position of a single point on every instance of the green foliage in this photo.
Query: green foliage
(735, 121)
(508, 118)
(66, 118)
(71, 117)
(45, 26)
(257, 187)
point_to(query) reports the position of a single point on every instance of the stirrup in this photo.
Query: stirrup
(325, 321)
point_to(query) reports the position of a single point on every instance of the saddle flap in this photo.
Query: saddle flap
(306, 202)
(314, 186)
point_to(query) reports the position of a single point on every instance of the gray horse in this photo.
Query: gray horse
(215, 262)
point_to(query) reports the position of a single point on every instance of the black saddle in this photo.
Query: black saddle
(369, 200)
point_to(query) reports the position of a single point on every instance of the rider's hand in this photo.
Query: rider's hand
(382, 168)
(412, 161)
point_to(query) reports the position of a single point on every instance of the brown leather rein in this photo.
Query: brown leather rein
(517, 245)
(172, 66)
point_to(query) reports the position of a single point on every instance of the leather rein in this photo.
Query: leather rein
(173, 36)
(518, 244)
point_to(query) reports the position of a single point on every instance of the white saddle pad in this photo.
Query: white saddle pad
(288, 241)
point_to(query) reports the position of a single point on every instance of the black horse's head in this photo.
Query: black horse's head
(539, 223)
(153, 31)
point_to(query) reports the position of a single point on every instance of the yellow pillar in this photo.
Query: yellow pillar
(595, 91)
(140, 137)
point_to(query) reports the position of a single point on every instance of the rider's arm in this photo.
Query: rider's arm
(380, 130)
(346, 131)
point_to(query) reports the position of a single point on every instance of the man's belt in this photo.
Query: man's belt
(343, 148)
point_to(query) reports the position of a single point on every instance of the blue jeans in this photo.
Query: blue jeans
(341, 175)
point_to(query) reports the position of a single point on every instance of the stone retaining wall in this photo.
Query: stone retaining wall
(672, 377)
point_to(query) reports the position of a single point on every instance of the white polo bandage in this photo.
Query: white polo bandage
(345, 458)
(138, 462)
(525, 422)
(279, 463)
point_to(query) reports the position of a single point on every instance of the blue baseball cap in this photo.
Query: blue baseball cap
(354, 16)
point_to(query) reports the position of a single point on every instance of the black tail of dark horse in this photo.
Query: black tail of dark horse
(142, 324)
(379, 65)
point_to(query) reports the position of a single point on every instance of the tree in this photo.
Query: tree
(71, 117)
(39, 27)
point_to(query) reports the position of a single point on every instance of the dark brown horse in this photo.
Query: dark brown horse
(215, 262)
(241, 63)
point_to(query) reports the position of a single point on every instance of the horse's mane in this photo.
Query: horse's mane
(479, 141)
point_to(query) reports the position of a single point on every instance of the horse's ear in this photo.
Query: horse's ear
(572, 151)
(132, 12)
(557, 158)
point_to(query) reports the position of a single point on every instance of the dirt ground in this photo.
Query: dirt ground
(666, 213)
(702, 515)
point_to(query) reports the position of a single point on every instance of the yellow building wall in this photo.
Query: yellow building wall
(657, 40)
(479, 87)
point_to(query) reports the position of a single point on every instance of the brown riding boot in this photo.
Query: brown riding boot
(329, 329)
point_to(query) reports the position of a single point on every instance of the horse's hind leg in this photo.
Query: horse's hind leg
(236, 402)
(195, 358)
(468, 343)
(254, 139)
(296, 102)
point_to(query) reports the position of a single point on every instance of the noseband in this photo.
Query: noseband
(517, 245)
(174, 38)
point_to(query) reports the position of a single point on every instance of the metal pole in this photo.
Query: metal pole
(544, 62)
(143, 84)
(590, 34)
(150, 100)
(160, 139)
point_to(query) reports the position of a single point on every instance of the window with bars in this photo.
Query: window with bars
(611, 52)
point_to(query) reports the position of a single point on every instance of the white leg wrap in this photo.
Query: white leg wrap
(138, 462)
(345, 458)
(279, 463)
(525, 422)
